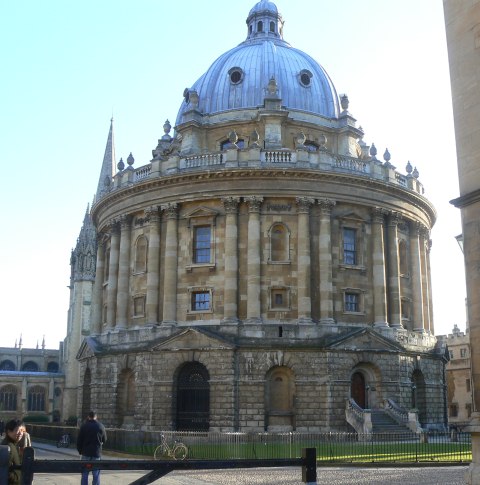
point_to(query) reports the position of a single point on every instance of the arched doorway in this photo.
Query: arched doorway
(358, 389)
(193, 398)
(86, 393)
(280, 400)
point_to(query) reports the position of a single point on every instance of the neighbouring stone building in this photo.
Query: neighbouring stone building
(264, 271)
(31, 382)
(462, 24)
(459, 377)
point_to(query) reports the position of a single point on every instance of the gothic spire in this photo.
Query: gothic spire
(108, 166)
(83, 258)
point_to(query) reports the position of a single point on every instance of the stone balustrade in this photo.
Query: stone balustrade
(321, 160)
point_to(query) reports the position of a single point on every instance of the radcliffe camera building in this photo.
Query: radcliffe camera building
(264, 271)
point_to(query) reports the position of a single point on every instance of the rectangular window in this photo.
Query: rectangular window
(200, 301)
(450, 353)
(202, 244)
(467, 383)
(349, 246)
(279, 299)
(352, 302)
(468, 407)
(139, 306)
(463, 353)
(453, 411)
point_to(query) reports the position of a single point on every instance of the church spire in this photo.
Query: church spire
(83, 258)
(108, 166)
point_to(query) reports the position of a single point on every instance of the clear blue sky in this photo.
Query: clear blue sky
(68, 66)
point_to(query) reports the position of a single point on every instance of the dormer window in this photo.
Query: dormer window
(305, 77)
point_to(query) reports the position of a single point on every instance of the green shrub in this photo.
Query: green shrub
(71, 421)
(36, 418)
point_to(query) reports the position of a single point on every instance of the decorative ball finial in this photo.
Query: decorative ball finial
(130, 160)
(272, 86)
(409, 168)
(167, 127)
(120, 165)
(344, 102)
(415, 173)
(373, 151)
(386, 155)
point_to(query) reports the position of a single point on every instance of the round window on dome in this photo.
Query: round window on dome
(236, 75)
(305, 77)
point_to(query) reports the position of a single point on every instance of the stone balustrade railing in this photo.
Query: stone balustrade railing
(407, 418)
(323, 161)
(360, 419)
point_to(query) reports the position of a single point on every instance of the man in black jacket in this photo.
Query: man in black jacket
(90, 439)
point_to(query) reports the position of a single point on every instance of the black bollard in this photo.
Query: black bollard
(27, 465)
(4, 458)
(309, 467)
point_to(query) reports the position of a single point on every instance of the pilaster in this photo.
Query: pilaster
(123, 296)
(113, 274)
(394, 271)
(170, 265)
(378, 268)
(325, 259)
(153, 268)
(230, 307)
(253, 264)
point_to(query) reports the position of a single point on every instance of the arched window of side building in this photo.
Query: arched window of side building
(8, 398)
(36, 399)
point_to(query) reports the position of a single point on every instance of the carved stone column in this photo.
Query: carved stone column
(171, 249)
(253, 264)
(113, 275)
(416, 276)
(378, 269)
(123, 295)
(429, 281)
(303, 260)
(424, 241)
(394, 271)
(230, 290)
(97, 302)
(325, 260)
(153, 261)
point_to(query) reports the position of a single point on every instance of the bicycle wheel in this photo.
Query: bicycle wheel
(180, 452)
(161, 452)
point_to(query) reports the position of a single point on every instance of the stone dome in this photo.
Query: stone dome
(238, 79)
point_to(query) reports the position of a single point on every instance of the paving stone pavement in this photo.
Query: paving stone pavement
(451, 475)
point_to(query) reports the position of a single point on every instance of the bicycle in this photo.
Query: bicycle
(178, 451)
(64, 441)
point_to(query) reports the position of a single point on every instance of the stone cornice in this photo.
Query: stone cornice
(190, 179)
(466, 199)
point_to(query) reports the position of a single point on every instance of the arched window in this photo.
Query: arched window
(141, 255)
(86, 397)
(279, 243)
(36, 399)
(126, 397)
(272, 26)
(260, 26)
(8, 398)
(279, 399)
(419, 395)
(193, 398)
(52, 367)
(7, 365)
(30, 366)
